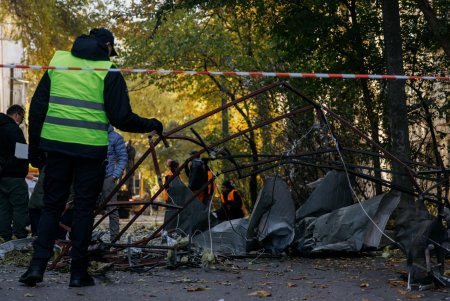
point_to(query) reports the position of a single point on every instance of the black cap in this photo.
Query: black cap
(104, 36)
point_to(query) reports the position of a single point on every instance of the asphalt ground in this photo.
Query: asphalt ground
(355, 278)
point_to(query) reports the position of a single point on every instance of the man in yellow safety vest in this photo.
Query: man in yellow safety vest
(68, 132)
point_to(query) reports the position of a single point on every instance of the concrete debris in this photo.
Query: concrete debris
(333, 192)
(228, 237)
(17, 244)
(347, 229)
(193, 218)
(272, 220)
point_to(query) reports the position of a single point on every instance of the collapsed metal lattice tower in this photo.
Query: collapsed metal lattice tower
(436, 174)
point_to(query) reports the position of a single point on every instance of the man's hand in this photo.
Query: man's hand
(157, 126)
(36, 157)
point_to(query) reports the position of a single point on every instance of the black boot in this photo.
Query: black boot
(81, 280)
(78, 274)
(35, 272)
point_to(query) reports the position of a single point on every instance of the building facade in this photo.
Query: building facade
(12, 85)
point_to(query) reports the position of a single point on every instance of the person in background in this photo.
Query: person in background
(117, 162)
(36, 202)
(197, 174)
(172, 165)
(210, 190)
(13, 170)
(131, 151)
(68, 130)
(232, 205)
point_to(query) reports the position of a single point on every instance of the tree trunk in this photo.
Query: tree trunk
(411, 219)
(398, 119)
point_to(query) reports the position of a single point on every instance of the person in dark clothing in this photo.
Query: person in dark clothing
(211, 189)
(232, 205)
(68, 131)
(13, 170)
(172, 165)
(197, 174)
(36, 203)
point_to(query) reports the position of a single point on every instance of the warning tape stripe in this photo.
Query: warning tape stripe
(237, 73)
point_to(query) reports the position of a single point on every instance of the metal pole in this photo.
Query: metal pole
(11, 87)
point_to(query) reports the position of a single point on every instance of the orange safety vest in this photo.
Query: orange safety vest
(212, 185)
(168, 173)
(230, 198)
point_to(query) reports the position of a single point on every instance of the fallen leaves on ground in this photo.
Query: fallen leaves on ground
(226, 283)
(19, 258)
(261, 294)
(320, 286)
(290, 284)
(298, 278)
(397, 283)
(416, 296)
(365, 284)
(197, 289)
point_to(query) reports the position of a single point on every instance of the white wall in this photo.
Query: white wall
(11, 52)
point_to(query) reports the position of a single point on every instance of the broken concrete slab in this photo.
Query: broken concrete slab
(272, 220)
(17, 244)
(388, 203)
(194, 217)
(332, 193)
(228, 238)
(347, 229)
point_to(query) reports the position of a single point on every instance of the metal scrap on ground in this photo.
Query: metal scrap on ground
(329, 219)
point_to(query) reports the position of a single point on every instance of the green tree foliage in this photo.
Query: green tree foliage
(346, 36)
(335, 36)
(48, 25)
(211, 39)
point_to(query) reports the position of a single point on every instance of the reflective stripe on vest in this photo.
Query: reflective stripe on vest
(230, 198)
(76, 112)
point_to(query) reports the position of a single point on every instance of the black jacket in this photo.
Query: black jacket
(117, 106)
(10, 133)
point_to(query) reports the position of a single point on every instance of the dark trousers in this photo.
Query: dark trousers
(87, 176)
(66, 220)
(13, 207)
(35, 216)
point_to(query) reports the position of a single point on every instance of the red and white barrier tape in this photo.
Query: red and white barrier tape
(238, 73)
